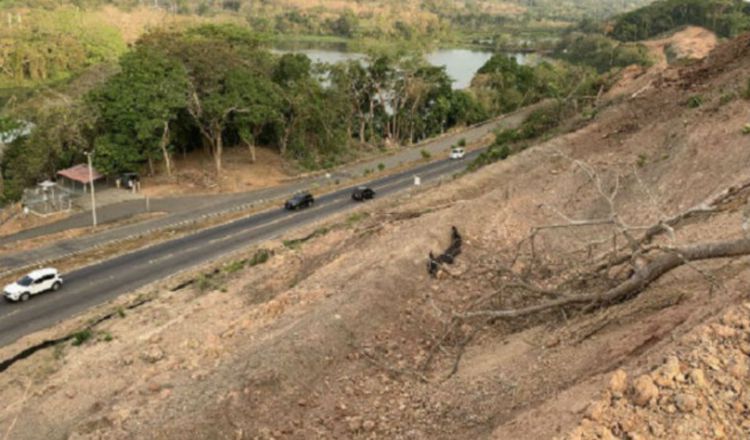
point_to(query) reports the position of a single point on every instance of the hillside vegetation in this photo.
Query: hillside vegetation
(215, 85)
(606, 44)
(726, 18)
(422, 22)
(41, 46)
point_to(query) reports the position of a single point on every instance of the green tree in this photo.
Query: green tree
(352, 85)
(136, 108)
(257, 104)
(62, 131)
(504, 84)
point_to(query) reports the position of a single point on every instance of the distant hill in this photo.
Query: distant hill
(44, 41)
(301, 12)
(727, 18)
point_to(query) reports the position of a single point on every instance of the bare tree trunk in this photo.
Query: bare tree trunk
(251, 144)
(207, 142)
(362, 127)
(251, 147)
(217, 144)
(371, 119)
(150, 165)
(163, 145)
(287, 134)
(218, 150)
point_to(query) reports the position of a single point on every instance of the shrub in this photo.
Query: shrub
(81, 336)
(462, 142)
(204, 283)
(537, 124)
(641, 162)
(503, 152)
(493, 154)
(746, 92)
(540, 121)
(260, 257)
(234, 266)
(695, 101)
(746, 129)
(381, 166)
(425, 154)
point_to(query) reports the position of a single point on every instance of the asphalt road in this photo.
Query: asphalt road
(98, 283)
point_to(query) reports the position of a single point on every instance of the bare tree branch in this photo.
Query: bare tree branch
(677, 257)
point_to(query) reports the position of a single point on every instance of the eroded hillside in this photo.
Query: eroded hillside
(346, 335)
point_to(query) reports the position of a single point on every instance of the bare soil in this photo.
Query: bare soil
(689, 44)
(328, 339)
(195, 173)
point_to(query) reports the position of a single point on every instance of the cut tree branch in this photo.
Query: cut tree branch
(640, 279)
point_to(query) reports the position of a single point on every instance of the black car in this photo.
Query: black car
(299, 201)
(363, 193)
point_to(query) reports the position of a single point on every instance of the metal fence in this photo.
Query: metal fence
(46, 200)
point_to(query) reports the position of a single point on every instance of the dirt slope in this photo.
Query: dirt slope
(327, 339)
(688, 44)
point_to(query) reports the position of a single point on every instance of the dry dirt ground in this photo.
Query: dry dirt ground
(195, 173)
(342, 336)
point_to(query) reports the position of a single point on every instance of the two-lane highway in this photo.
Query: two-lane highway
(95, 284)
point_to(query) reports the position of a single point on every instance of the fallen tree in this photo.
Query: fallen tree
(669, 259)
(631, 258)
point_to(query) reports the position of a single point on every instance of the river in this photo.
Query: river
(460, 64)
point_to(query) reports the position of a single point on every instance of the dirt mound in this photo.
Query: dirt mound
(690, 43)
(348, 336)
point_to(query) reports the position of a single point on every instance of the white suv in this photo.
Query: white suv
(35, 282)
(457, 153)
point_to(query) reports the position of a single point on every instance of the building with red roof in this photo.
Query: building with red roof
(77, 177)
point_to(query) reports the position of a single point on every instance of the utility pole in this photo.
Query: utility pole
(91, 182)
